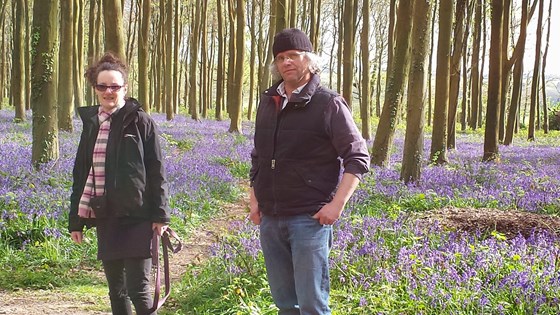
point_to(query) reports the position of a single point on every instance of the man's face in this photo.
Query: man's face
(293, 67)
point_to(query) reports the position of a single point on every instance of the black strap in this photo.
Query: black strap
(165, 241)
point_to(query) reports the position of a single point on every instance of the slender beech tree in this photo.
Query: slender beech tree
(365, 113)
(176, 64)
(395, 86)
(455, 70)
(220, 77)
(315, 22)
(391, 34)
(265, 71)
(348, 51)
(438, 151)
(237, 108)
(143, 55)
(94, 40)
(543, 75)
(509, 62)
(3, 62)
(204, 89)
(517, 76)
(252, 55)
(78, 58)
(416, 96)
(535, 82)
(232, 50)
(194, 50)
(494, 84)
(282, 12)
(168, 49)
(44, 82)
(66, 68)
(475, 62)
(18, 61)
(114, 27)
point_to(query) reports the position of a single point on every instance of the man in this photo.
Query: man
(302, 133)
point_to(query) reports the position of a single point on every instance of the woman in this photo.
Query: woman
(119, 186)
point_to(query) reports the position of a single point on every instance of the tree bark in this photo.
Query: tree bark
(235, 124)
(44, 82)
(143, 54)
(220, 78)
(66, 68)
(18, 61)
(455, 71)
(348, 51)
(494, 84)
(114, 32)
(365, 113)
(535, 82)
(475, 61)
(438, 151)
(395, 86)
(416, 99)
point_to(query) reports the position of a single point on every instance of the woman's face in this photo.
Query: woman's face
(110, 89)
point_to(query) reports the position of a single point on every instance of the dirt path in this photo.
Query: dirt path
(55, 301)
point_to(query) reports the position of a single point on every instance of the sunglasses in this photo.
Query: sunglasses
(103, 88)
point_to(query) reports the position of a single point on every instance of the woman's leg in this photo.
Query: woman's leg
(118, 295)
(138, 284)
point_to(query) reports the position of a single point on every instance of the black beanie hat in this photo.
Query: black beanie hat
(291, 39)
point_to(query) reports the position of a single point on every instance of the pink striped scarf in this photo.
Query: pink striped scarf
(97, 168)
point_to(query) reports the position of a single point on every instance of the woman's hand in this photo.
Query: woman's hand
(159, 228)
(77, 236)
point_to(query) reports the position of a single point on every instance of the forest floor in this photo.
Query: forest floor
(196, 249)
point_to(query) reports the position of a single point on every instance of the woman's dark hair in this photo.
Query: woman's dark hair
(108, 61)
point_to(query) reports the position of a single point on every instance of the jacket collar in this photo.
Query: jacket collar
(298, 99)
(89, 113)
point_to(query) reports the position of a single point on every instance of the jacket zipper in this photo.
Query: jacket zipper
(273, 161)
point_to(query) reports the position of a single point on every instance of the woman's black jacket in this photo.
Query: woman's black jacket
(135, 182)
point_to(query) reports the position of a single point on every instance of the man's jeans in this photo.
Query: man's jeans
(296, 253)
(129, 280)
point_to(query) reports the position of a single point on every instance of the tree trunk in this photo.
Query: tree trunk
(506, 71)
(365, 113)
(543, 76)
(281, 15)
(475, 61)
(348, 51)
(114, 32)
(416, 96)
(3, 53)
(66, 68)
(204, 90)
(143, 54)
(535, 82)
(177, 64)
(44, 82)
(395, 86)
(517, 76)
(235, 124)
(438, 151)
(220, 78)
(18, 61)
(430, 67)
(494, 84)
(455, 71)
(79, 54)
(168, 75)
(195, 42)
(391, 34)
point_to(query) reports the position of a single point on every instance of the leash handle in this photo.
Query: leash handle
(166, 246)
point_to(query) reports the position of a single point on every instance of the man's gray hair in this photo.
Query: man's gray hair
(312, 58)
